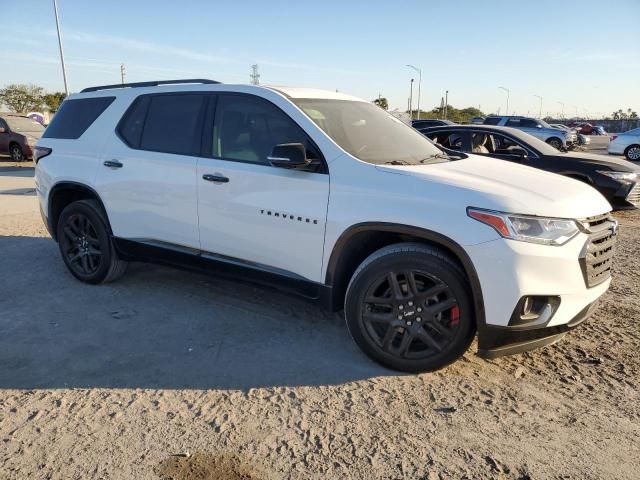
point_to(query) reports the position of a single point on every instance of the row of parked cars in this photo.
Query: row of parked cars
(531, 142)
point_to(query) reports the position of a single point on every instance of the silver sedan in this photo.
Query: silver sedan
(627, 144)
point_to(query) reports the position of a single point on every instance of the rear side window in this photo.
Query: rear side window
(171, 122)
(75, 116)
(491, 121)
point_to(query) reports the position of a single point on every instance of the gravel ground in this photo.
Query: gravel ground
(170, 374)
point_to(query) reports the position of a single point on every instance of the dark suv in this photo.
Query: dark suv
(18, 136)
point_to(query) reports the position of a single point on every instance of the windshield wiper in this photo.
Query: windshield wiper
(436, 156)
(397, 162)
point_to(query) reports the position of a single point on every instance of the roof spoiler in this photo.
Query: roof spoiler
(153, 83)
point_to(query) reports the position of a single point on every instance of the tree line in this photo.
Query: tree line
(23, 98)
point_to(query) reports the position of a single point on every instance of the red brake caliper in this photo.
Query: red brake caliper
(455, 316)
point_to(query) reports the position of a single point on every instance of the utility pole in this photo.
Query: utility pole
(64, 70)
(506, 90)
(122, 73)
(562, 113)
(255, 76)
(446, 103)
(540, 113)
(411, 100)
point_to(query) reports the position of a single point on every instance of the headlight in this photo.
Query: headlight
(625, 177)
(546, 231)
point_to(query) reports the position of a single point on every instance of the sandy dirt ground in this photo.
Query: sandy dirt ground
(169, 374)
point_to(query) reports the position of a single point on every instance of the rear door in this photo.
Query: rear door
(147, 175)
(250, 210)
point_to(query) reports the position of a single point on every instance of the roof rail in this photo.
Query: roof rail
(153, 83)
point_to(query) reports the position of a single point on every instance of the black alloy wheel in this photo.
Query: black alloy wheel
(80, 245)
(408, 307)
(410, 314)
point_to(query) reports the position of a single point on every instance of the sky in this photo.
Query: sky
(585, 54)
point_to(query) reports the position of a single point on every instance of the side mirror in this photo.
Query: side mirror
(289, 155)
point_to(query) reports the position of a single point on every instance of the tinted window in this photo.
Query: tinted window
(75, 116)
(491, 121)
(130, 128)
(3, 124)
(171, 123)
(528, 123)
(513, 122)
(246, 128)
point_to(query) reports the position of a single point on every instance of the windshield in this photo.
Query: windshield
(369, 133)
(635, 131)
(24, 125)
(543, 147)
(544, 124)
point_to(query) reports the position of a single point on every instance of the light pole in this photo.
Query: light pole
(411, 100)
(446, 104)
(540, 112)
(562, 114)
(64, 70)
(576, 107)
(506, 90)
(419, 85)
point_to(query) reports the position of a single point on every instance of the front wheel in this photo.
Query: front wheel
(632, 153)
(86, 245)
(408, 307)
(16, 153)
(555, 143)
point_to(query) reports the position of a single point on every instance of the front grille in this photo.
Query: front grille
(634, 195)
(596, 259)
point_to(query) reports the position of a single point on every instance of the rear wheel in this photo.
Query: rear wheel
(86, 245)
(408, 307)
(15, 151)
(555, 142)
(632, 153)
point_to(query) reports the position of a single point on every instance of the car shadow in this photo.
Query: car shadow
(159, 327)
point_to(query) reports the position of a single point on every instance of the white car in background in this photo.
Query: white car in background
(582, 139)
(627, 144)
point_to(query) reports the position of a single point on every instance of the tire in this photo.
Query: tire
(427, 325)
(86, 245)
(15, 151)
(555, 142)
(632, 153)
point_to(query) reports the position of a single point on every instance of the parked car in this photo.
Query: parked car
(477, 120)
(329, 196)
(537, 128)
(429, 122)
(617, 180)
(582, 139)
(18, 135)
(598, 130)
(627, 144)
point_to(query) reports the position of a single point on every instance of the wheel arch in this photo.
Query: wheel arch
(358, 241)
(64, 193)
(626, 150)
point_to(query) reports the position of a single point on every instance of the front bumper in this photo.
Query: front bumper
(494, 342)
(510, 270)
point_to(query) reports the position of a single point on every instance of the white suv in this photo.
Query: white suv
(328, 196)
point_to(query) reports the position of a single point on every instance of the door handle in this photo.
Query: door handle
(112, 164)
(215, 178)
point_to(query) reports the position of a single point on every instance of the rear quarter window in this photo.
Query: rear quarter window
(75, 116)
(491, 121)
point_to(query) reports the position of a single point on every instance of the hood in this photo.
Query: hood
(495, 184)
(608, 162)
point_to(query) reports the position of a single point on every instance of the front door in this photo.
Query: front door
(250, 210)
